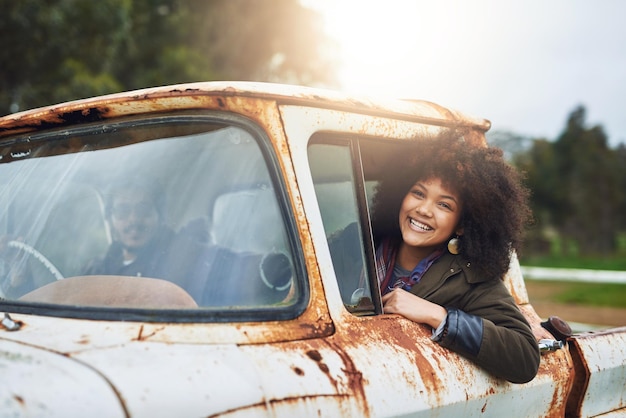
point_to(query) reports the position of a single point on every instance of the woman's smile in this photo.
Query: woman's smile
(420, 226)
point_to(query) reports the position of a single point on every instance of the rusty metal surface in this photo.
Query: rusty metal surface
(600, 362)
(68, 386)
(326, 362)
(435, 371)
(514, 282)
(314, 322)
(299, 125)
(214, 95)
(372, 366)
(387, 366)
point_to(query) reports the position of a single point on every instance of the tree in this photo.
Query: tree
(57, 50)
(577, 185)
(277, 41)
(539, 167)
(591, 181)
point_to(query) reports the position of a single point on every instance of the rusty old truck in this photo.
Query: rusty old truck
(263, 324)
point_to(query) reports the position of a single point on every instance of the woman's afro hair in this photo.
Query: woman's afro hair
(494, 200)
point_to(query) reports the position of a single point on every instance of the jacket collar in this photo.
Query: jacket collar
(450, 264)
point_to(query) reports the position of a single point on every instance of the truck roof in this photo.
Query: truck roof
(190, 94)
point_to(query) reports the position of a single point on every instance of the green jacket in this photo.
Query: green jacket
(484, 323)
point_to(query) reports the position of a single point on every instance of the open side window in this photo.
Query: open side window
(343, 193)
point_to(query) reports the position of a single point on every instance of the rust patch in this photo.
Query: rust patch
(298, 371)
(314, 355)
(557, 365)
(557, 403)
(350, 383)
(319, 328)
(581, 381)
(317, 357)
(10, 324)
(409, 339)
(83, 340)
(92, 114)
(143, 337)
(52, 119)
(355, 377)
(427, 372)
(19, 399)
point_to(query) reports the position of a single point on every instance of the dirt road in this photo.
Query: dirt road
(540, 297)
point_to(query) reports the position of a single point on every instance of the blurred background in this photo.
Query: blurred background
(551, 76)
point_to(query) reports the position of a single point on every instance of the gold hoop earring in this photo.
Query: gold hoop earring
(454, 245)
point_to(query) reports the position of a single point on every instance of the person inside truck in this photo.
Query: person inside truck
(142, 244)
(445, 221)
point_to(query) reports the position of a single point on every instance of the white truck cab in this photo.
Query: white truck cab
(244, 311)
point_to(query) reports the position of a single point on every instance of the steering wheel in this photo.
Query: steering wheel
(30, 250)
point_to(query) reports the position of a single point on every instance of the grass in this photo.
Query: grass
(613, 295)
(591, 294)
(577, 293)
(565, 253)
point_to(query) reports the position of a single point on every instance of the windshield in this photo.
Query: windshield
(167, 214)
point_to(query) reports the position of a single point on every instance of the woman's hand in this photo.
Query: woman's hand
(412, 307)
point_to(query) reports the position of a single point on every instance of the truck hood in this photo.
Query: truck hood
(37, 382)
(131, 379)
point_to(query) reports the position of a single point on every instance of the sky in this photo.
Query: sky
(524, 65)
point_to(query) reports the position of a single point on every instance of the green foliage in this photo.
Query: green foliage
(577, 185)
(235, 33)
(58, 50)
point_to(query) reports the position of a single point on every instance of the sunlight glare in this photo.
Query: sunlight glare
(398, 47)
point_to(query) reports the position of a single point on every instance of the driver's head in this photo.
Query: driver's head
(133, 210)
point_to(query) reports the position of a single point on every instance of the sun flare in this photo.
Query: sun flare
(398, 47)
(382, 43)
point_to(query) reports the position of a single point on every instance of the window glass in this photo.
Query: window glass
(335, 188)
(162, 214)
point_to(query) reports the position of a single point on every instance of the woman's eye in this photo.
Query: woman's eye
(418, 193)
(445, 205)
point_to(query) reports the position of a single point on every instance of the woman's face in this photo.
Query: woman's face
(429, 215)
